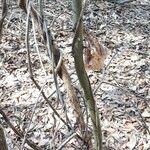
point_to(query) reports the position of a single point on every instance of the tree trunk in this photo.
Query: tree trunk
(3, 144)
(77, 50)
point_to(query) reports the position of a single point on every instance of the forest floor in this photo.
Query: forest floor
(121, 90)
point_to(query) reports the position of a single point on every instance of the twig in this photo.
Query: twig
(133, 103)
(19, 133)
(36, 45)
(104, 72)
(55, 131)
(59, 64)
(33, 111)
(51, 50)
(127, 90)
(66, 141)
(32, 78)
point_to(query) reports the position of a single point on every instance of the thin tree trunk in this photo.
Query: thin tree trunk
(3, 144)
(4, 13)
(77, 49)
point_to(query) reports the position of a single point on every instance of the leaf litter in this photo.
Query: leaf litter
(123, 98)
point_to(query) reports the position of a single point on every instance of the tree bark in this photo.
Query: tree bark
(77, 50)
(3, 144)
